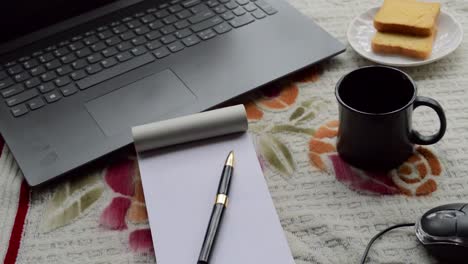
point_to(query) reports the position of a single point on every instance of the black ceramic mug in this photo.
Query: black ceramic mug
(376, 104)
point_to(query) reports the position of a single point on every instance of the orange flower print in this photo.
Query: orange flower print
(278, 97)
(310, 74)
(253, 113)
(417, 176)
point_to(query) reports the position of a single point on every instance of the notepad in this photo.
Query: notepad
(180, 181)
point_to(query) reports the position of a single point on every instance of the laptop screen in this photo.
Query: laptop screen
(20, 17)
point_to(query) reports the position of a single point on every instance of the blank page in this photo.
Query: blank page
(180, 184)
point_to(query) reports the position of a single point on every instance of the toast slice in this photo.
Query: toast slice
(407, 45)
(407, 17)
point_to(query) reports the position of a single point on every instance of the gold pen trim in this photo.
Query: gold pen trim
(230, 159)
(222, 199)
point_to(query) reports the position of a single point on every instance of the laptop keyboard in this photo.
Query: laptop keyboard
(73, 65)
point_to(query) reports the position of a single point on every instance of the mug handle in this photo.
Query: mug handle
(418, 138)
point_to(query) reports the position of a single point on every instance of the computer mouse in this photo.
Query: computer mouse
(443, 231)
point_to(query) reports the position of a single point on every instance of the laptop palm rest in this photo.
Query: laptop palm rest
(147, 100)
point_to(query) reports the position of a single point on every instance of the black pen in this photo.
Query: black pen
(218, 209)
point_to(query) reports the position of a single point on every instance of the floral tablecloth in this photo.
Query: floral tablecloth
(328, 209)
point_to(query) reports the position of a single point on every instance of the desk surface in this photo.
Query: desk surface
(328, 211)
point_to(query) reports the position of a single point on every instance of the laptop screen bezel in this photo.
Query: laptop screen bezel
(51, 30)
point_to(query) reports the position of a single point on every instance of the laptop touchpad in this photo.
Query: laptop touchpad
(153, 98)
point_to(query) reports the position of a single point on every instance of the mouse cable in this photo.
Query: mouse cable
(364, 256)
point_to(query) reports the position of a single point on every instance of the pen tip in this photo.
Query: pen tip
(230, 159)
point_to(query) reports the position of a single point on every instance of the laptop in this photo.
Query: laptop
(76, 75)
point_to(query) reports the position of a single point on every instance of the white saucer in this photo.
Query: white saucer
(361, 30)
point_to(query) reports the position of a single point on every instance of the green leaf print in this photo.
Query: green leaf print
(293, 129)
(277, 154)
(71, 201)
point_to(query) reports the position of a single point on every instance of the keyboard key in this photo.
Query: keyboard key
(258, 14)
(89, 33)
(75, 38)
(207, 34)
(23, 59)
(168, 29)
(64, 43)
(220, 9)
(79, 64)
(137, 51)
(127, 35)
(69, 58)
(46, 57)
(153, 35)
(53, 97)
(239, 11)
(189, 3)
(168, 39)
(9, 64)
(142, 30)
(133, 24)
(20, 77)
(199, 8)
(37, 71)
(115, 71)
(108, 62)
(62, 81)
(161, 13)
(162, 6)
(151, 10)
(102, 28)
(78, 75)
(92, 69)
(182, 24)
(250, 7)
(140, 14)
(139, 41)
(212, 3)
(170, 19)
(53, 64)
(201, 16)
(161, 52)
(176, 46)
(231, 4)
(242, 20)
(13, 90)
(109, 52)
(83, 52)
(156, 24)
(48, 76)
(124, 46)
(222, 28)
(30, 63)
(22, 97)
(183, 33)
(105, 35)
(228, 15)
(223, 1)
(68, 90)
(175, 8)
(113, 41)
(94, 58)
(120, 29)
(37, 53)
(114, 24)
(3, 75)
(147, 19)
(206, 24)
(74, 46)
(242, 2)
(154, 45)
(267, 8)
(15, 69)
(19, 110)
(33, 82)
(124, 56)
(47, 87)
(98, 46)
(61, 52)
(36, 103)
(6, 83)
(183, 14)
(190, 41)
